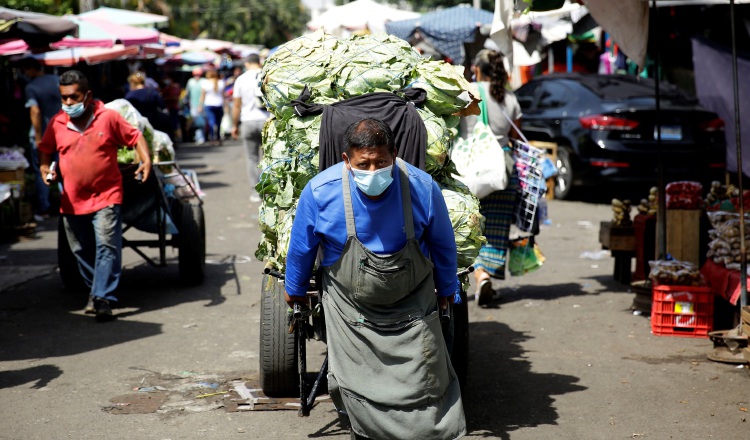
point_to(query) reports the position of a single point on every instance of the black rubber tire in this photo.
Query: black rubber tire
(564, 179)
(192, 244)
(68, 265)
(278, 348)
(460, 352)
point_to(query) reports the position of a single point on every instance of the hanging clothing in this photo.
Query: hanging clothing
(399, 113)
(389, 366)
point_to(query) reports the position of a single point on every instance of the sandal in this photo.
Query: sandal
(484, 292)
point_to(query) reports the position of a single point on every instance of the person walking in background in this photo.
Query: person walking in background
(248, 116)
(212, 103)
(149, 102)
(87, 135)
(171, 93)
(43, 101)
(498, 207)
(193, 92)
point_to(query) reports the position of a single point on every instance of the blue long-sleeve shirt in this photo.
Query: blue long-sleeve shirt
(320, 220)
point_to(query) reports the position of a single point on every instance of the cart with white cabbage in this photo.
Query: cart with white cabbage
(169, 204)
(333, 70)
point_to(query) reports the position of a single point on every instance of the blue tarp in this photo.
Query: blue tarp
(447, 29)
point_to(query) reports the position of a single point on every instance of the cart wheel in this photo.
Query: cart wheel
(278, 348)
(192, 244)
(460, 352)
(68, 265)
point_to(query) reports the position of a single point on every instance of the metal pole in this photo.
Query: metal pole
(661, 217)
(740, 173)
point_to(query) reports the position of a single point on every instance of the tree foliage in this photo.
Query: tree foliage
(265, 22)
(53, 7)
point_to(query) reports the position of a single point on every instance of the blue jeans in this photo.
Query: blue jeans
(96, 241)
(213, 121)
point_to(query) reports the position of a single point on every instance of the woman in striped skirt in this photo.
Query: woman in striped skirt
(498, 207)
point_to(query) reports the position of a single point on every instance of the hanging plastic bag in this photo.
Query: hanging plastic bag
(480, 159)
(524, 258)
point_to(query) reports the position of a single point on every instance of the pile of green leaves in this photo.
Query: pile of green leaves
(159, 143)
(335, 69)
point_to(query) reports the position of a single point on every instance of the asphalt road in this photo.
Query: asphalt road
(559, 355)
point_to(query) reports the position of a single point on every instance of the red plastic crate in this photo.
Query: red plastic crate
(685, 311)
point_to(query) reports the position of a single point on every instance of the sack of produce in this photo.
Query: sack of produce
(159, 145)
(333, 70)
(675, 273)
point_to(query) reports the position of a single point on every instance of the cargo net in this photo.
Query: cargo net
(531, 183)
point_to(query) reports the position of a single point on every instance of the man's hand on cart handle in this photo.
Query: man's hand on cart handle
(444, 301)
(291, 299)
(144, 168)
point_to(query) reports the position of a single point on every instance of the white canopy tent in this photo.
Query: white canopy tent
(357, 16)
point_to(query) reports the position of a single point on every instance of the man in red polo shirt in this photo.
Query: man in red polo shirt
(87, 135)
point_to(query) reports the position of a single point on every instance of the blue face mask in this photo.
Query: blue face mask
(74, 110)
(373, 183)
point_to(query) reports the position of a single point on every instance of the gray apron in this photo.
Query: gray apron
(389, 366)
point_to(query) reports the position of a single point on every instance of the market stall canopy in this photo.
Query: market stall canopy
(169, 40)
(13, 47)
(89, 55)
(128, 18)
(447, 29)
(34, 28)
(208, 44)
(93, 32)
(359, 15)
(192, 58)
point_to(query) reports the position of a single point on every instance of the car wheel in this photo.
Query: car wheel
(564, 179)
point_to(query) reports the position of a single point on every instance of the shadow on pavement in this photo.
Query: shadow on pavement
(38, 320)
(41, 374)
(503, 394)
(597, 285)
(163, 289)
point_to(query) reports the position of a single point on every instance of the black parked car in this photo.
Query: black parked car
(605, 128)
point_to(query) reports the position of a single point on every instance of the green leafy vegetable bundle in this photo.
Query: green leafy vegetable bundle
(159, 143)
(336, 69)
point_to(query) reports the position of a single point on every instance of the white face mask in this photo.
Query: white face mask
(373, 183)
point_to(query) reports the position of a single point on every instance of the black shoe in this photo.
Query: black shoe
(90, 309)
(103, 310)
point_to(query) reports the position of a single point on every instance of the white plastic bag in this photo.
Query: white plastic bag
(480, 162)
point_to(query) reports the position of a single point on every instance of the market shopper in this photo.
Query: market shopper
(193, 92)
(248, 116)
(87, 135)
(382, 225)
(43, 101)
(149, 102)
(171, 92)
(212, 104)
(497, 207)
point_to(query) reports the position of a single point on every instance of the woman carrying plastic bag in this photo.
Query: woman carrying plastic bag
(498, 206)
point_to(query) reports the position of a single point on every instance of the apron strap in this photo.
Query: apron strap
(351, 230)
(406, 200)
